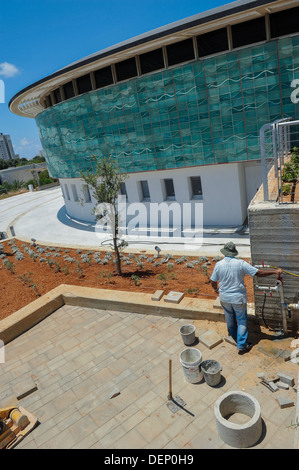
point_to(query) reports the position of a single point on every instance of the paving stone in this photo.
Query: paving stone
(284, 402)
(24, 388)
(286, 379)
(174, 297)
(282, 385)
(273, 386)
(285, 355)
(157, 295)
(230, 340)
(217, 303)
(210, 339)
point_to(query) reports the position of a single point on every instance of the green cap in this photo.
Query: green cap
(229, 249)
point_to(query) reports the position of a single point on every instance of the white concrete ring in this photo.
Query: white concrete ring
(238, 435)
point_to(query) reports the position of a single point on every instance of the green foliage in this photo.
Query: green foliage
(290, 172)
(286, 189)
(135, 279)
(105, 183)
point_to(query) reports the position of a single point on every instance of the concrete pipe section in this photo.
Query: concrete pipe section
(238, 435)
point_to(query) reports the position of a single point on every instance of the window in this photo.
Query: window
(284, 22)
(151, 61)
(126, 69)
(123, 190)
(180, 52)
(74, 191)
(67, 192)
(249, 32)
(169, 188)
(57, 95)
(68, 90)
(145, 190)
(86, 193)
(103, 77)
(84, 84)
(196, 187)
(213, 42)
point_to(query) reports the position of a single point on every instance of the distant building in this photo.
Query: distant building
(6, 149)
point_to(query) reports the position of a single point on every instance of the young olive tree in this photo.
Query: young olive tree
(105, 183)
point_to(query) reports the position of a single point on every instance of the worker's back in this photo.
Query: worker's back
(230, 272)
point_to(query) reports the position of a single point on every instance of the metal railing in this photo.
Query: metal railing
(277, 143)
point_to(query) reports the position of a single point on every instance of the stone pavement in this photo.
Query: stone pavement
(78, 357)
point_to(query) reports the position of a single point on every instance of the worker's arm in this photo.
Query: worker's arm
(215, 287)
(268, 272)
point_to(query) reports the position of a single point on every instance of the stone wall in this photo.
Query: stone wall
(274, 239)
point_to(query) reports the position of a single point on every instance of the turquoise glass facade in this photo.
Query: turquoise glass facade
(204, 112)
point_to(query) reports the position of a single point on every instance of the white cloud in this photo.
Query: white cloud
(24, 142)
(8, 70)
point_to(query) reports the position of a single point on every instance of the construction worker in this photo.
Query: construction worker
(230, 273)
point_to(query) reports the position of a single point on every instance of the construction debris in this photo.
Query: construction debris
(286, 379)
(284, 402)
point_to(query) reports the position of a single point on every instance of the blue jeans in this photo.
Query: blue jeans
(236, 320)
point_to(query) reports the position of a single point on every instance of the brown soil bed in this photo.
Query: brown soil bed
(22, 281)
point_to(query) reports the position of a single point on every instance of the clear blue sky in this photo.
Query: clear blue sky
(38, 37)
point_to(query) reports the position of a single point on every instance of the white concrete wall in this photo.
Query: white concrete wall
(226, 191)
(22, 173)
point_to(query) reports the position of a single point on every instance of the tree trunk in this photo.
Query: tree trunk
(118, 264)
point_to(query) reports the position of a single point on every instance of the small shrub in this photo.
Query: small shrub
(162, 278)
(10, 266)
(135, 279)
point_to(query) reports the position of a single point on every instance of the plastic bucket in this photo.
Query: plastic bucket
(211, 371)
(188, 334)
(191, 360)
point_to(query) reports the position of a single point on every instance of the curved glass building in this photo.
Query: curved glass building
(179, 109)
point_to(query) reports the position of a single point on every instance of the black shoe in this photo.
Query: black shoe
(245, 349)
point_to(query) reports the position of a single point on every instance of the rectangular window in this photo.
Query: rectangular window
(284, 22)
(103, 77)
(67, 192)
(145, 190)
(86, 193)
(126, 69)
(75, 194)
(123, 190)
(151, 61)
(196, 187)
(68, 90)
(180, 52)
(169, 188)
(249, 32)
(84, 84)
(57, 95)
(213, 42)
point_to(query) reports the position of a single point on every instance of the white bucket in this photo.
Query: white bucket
(188, 334)
(191, 360)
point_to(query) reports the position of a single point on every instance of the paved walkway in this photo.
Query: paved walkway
(78, 356)
(41, 215)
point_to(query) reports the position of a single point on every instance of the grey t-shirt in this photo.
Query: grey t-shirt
(230, 273)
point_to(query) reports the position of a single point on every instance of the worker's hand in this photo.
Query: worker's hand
(279, 272)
